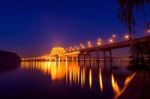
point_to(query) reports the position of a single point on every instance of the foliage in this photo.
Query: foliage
(126, 14)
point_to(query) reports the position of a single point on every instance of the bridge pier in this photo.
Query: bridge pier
(104, 57)
(110, 57)
(97, 55)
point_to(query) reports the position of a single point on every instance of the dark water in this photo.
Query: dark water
(51, 80)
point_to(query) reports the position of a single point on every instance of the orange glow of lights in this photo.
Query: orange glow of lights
(126, 83)
(90, 79)
(89, 44)
(82, 77)
(100, 80)
(111, 40)
(75, 75)
(128, 79)
(126, 37)
(99, 43)
(73, 49)
(83, 47)
(57, 51)
(115, 85)
(148, 31)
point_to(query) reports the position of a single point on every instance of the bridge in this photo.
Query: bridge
(84, 53)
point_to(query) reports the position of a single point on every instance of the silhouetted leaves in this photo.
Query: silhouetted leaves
(127, 8)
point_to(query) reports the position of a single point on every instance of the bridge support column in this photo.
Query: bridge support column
(104, 57)
(97, 55)
(89, 54)
(110, 57)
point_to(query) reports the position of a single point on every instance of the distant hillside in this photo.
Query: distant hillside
(8, 59)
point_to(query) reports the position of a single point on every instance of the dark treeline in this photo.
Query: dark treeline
(8, 60)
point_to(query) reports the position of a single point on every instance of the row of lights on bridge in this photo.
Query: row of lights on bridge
(98, 43)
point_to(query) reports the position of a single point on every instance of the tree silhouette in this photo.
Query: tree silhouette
(126, 14)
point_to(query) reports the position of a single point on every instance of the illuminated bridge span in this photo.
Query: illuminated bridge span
(84, 53)
(56, 51)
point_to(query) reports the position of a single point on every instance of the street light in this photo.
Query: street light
(126, 37)
(99, 42)
(111, 40)
(83, 47)
(148, 31)
(89, 44)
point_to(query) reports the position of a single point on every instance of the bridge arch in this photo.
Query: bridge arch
(56, 51)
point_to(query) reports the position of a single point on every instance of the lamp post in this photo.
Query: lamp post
(99, 42)
(89, 44)
(82, 46)
(111, 41)
(126, 37)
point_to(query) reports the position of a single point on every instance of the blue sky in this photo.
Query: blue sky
(33, 27)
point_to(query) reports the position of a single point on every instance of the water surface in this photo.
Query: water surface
(66, 79)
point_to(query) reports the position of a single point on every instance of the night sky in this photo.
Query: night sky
(33, 27)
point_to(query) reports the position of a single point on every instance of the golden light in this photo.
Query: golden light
(83, 47)
(57, 51)
(100, 80)
(99, 42)
(89, 44)
(115, 85)
(111, 40)
(148, 31)
(126, 83)
(126, 37)
(82, 77)
(90, 79)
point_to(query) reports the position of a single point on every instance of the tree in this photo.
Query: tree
(126, 13)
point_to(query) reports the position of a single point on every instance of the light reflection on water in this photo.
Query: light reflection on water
(86, 76)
